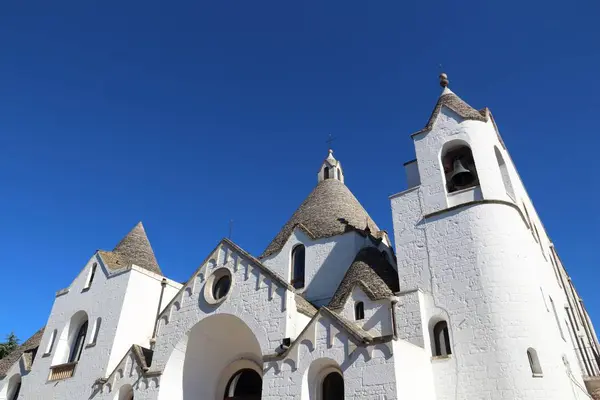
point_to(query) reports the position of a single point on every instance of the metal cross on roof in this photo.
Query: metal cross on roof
(330, 140)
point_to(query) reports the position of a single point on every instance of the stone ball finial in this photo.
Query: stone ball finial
(444, 80)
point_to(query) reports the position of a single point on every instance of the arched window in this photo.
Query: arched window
(17, 391)
(333, 387)
(51, 342)
(78, 343)
(339, 174)
(326, 173)
(14, 387)
(359, 311)
(534, 362)
(459, 168)
(508, 187)
(125, 393)
(441, 339)
(91, 277)
(298, 262)
(246, 384)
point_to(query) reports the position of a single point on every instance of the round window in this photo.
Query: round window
(221, 287)
(217, 286)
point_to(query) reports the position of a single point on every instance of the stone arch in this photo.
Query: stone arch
(68, 336)
(316, 375)
(125, 393)
(205, 359)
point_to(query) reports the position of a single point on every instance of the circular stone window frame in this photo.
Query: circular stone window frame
(210, 282)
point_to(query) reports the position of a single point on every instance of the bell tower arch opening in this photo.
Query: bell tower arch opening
(459, 166)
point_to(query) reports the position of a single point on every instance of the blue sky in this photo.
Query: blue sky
(188, 114)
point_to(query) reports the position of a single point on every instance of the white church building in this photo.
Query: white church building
(472, 302)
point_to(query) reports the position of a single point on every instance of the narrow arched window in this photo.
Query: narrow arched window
(441, 339)
(78, 343)
(17, 391)
(534, 362)
(91, 277)
(339, 174)
(333, 387)
(326, 173)
(298, 263)
(126, 392)
(14, 387)
(359, 311)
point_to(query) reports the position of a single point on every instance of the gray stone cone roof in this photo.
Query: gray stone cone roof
(30, 344)
(373, 273)
(134, 248)
(456, 104)
(329, 210)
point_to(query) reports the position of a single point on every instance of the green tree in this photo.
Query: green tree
(12, 342)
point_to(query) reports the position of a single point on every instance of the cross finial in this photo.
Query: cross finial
(329, 140)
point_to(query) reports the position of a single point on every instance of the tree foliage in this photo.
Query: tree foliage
(12, 342)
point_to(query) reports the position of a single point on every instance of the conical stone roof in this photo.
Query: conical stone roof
(450, 100)
(329, 210)
(134, 248)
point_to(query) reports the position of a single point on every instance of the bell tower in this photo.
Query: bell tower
(460, 156)
(470, 254)
(331, 169)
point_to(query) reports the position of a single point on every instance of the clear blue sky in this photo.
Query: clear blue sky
(187, 114)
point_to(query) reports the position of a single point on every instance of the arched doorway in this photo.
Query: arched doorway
(245, 384)
(332, 387)
(323, 380)
(219, 355)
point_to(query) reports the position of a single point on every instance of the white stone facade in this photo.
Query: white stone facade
(484, 310)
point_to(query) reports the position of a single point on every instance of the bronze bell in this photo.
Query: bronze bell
(461, 176)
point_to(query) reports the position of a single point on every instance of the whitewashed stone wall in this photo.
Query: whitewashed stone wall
(108, 297)
(369, 373)
(378, 318)
(257, 300)
(327, 261)
(481, 270)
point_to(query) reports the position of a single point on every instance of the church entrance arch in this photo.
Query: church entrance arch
(219, 358)
(246, 384)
